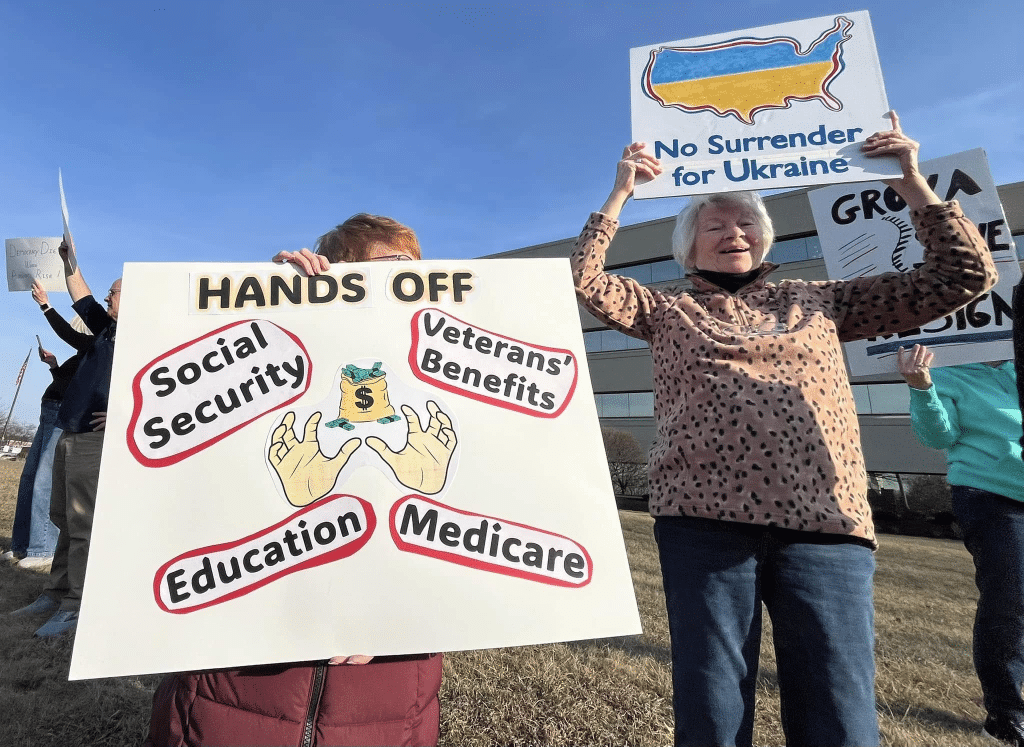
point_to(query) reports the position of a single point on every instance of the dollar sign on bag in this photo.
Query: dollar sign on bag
(363, 399)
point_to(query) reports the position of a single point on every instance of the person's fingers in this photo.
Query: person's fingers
(299, 259)
(348, 448)
(309, 434)
(381, 447)
(442, 426)
(433, 424)
(413, 418)
(316, 263)
(287, 433)
(448, 438)
(356, 659)
(895, 120)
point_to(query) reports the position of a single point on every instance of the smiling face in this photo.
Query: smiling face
(728, 240)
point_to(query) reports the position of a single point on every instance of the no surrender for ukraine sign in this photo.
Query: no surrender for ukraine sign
(388, 458)
(774, 107)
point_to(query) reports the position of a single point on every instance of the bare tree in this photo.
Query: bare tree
(626, 462)
(16, 430)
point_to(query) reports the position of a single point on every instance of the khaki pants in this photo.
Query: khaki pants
(76, 471)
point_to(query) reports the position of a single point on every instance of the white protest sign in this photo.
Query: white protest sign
(35, 259)
(72, 259)
(865, 229)
(774, 107)
(389, 458)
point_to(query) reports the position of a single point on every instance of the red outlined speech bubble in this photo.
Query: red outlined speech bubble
(459, 357)
(425, 527)
(330, 529)
(193, 396)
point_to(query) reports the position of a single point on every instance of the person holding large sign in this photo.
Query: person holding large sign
(758, 485)
(350, 700)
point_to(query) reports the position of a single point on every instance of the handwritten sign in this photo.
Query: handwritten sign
(774, 107)
(865, 229)
(389, 458)
(35, 259)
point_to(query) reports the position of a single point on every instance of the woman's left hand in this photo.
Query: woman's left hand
(912, 186)
(895, 143)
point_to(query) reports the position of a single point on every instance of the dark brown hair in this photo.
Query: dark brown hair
(350, 241)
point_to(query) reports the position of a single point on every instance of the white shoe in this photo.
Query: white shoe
(10, 557)
(37, 563)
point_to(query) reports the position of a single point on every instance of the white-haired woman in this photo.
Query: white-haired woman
(758, 485)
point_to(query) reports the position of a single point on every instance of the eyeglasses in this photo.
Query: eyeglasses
(113, 292)
(392, 258)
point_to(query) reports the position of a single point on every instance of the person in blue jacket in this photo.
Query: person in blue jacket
(972, 412)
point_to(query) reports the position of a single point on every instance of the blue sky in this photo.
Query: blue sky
(227, 131)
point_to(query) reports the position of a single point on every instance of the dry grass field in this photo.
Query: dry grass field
(614, 691)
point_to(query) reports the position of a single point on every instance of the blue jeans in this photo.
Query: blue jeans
(818, 594)
(33, 533)
(993, 529)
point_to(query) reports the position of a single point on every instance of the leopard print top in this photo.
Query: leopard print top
(755, 417)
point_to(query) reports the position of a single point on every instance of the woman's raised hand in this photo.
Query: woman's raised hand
(635, 167)
(912, 186)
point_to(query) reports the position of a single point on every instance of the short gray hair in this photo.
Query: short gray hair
(684, 236)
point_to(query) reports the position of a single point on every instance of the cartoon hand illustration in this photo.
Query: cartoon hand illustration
(305, 472)
(423, 463)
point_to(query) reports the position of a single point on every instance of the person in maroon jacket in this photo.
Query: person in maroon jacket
(347, 700)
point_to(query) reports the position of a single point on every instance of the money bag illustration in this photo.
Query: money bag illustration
(364, 395)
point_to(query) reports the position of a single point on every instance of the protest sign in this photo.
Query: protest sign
(35, 259)
(865, 229)
(773, 107)
(389, 458)
(72, 259)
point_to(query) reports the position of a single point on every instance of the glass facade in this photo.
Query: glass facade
(625, 405)
(605, 340)
(881, 399)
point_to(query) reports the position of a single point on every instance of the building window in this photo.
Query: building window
(602, 341)
(659, 271)
(795, 250)
(881, 399)
(625, 405)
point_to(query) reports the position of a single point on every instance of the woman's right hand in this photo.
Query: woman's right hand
(914, 366)
(310, 263)
(635, 167)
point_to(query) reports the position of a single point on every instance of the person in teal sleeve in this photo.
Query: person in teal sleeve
(972, 412)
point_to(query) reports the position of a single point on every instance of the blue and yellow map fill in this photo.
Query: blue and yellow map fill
(741, 77)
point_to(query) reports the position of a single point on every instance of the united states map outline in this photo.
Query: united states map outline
(823, 94)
